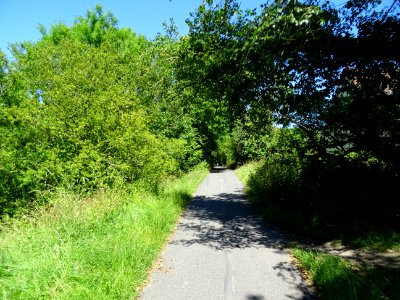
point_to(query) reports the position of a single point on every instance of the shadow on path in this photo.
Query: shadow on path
(221, 247)
(226, 221)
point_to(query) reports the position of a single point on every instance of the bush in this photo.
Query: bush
(79, 123)
(322, 194)
(325, 197)
(276, 181)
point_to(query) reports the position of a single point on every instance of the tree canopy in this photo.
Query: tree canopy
(331, 72)
(323, 84)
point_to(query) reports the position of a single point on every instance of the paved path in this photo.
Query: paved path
(222, 250)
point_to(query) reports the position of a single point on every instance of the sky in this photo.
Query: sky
(19, 19)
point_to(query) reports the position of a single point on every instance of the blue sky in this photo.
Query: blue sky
(19, 19)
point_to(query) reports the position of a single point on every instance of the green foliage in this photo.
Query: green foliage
(168, 104)
(250, 139)
(90, 128)
(226, 151)
(93, 29)
(335, 278)
(91, 105)
(324, 198)
(285, 63)
(277, 180)
(93, 247)
(308, 222)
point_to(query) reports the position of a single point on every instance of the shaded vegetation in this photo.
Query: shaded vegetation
(335, 202)
(269, 197)
(317, 96)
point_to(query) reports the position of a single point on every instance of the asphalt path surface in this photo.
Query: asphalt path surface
(222, 250)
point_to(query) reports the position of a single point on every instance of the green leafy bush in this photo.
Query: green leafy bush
(88, 106)
(276, 181)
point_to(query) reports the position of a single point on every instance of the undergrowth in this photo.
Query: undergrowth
(262, 186)
(97, 247)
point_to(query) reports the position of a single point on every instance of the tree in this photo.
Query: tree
(302, 63)
(83, 107)
(332, 75)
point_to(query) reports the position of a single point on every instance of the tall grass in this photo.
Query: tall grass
(335, 278)
(97, 247)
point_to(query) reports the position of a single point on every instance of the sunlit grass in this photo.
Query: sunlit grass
(244, 172)
(97, 247)
(382, 241)
(336, 278)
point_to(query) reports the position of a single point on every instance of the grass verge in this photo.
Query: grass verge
(336, 278)
(97, 247)
(244, 172)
